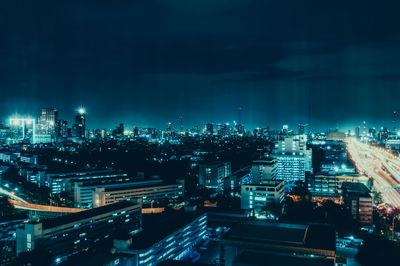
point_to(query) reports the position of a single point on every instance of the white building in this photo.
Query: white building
(255, 196)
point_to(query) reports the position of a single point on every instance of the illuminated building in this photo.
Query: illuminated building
(290, 168)
(256, 196)
(357, 199)
(293, 159)
(64, 129)
(84, 189)
(358, 131)
(301, 129)
(22, 130)
(46, 126)
(163, 194)
(73, 233)
(170, 235)
(212, 175)
(79, 128)
(263, 170)
(335, 136)
(288, 241)
(64, 181)
(393, 144)
(292, 144)
(209, 129)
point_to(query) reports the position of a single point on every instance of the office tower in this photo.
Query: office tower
(21, 130)
(119, 130)
(301, 129)
(209, 129)
(79, 128)
(181, 123)
(64, 129)
(136, 131)
(293, 159)
(395, 115)
(169, 127)
(358, 131)
(212, 175)
(292, 144)
(47, 122)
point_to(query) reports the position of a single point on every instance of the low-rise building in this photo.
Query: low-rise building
(357, 199)
(157, 242)
(84, 189)
(255, 196)
(294, 241)
(64, 181)
(162, 193)
(212, 175)
(70, 234)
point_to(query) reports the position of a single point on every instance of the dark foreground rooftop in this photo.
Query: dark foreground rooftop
(158, 226)
(251, 258)
(314, 236)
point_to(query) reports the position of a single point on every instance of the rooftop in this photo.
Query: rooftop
(351, 187)
(309, 236)
(138, 185)
(251, 258)
(155, 229)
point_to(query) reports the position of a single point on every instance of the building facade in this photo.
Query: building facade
(256, 196)
(162, 194)
(73, 233)
(212, 175)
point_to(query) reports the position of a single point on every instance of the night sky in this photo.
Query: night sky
(147, 62)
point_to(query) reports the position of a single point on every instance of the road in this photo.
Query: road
(380, 165)
(11, 195)
(20, 203)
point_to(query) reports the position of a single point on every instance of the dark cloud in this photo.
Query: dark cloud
(148, 62)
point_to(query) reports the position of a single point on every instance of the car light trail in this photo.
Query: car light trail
(379, 164)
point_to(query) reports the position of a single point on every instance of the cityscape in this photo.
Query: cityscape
(200, 133)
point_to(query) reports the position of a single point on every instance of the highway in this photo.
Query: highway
(11, 195)
(379, 164)
(20, 203)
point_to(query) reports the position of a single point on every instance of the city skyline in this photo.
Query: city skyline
(180, 122)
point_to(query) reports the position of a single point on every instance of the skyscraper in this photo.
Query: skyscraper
(209, 129)
(47, 123)
(79, 128)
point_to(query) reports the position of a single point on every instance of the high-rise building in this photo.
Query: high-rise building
(64, 129)
(21, 130)
(358, 131)
(301, 129)
(47, 122)
(293, 159)
(209, 129)
(79, 128)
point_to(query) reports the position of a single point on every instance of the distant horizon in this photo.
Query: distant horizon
(321, 127)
